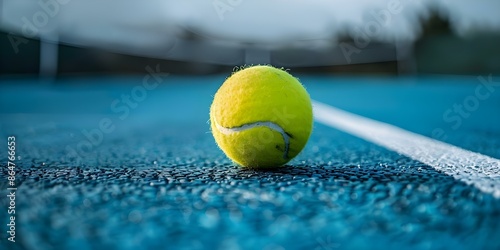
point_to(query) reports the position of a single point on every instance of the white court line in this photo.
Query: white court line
(481, 171)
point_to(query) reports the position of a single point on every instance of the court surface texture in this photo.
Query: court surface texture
(392, 163)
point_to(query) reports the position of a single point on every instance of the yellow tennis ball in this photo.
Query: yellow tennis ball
(261, 117)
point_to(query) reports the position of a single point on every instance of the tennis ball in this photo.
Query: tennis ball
(261, 117)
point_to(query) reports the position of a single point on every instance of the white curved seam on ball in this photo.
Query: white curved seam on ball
(270, 125)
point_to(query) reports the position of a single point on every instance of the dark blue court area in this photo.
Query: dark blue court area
(99, 170)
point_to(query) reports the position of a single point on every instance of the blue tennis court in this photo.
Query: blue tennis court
(159, 180)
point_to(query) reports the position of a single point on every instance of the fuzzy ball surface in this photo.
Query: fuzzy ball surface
(261, 117)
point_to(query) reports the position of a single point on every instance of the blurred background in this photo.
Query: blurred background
(73, 37)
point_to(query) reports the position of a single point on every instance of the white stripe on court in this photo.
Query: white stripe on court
(481, 171)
